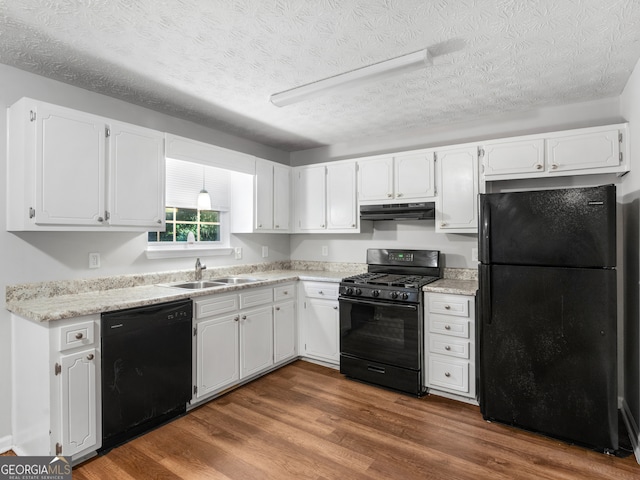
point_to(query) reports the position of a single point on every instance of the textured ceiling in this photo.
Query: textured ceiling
(217, 62)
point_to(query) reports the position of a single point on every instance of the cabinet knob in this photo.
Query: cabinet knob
(260, 226)
(286, 292)
(447, 348)
(235, 319)
(100, 219)
(320, 292)
(244, 317)
(353, 225)
(447, 307)
(335, 308)
(447, 374)
(277, 226)
(554, 166)
(443, 224)
(538, 167)
(277, 309)
(390, 195)
(447, 327)
(399, 195)
(79, 335)
(159, 222)
(90, 356)
(322, 226)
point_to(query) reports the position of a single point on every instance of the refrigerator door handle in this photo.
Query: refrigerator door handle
(485, 294)
(485, 225)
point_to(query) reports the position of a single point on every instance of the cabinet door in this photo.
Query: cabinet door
(513, 158)
(342, 206)
(136, 177)
(284, 331)
(414, 176)
(217, 356)
(281, 198)
(584, 151)
(311, 198)
(70, 167)
(264, 196)
(375, 179)
(79, 417)
(457, 203)
(256, 340)
(322, 329)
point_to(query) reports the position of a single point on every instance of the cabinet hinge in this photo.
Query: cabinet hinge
(620, 157)
(107, 132)
(620, 137)
(57, 370)
(32, 212)
(58, 449)
(195, 389)
(32, 116)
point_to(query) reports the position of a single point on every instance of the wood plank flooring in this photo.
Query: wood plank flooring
(305, 421)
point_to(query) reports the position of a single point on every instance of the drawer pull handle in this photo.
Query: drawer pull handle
(447, 327)
(90, 356)
(371, 368)
(447, 348)
(447, 307)
(79, 335)
(447, 374)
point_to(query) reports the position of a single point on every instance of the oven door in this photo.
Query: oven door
(381, 331)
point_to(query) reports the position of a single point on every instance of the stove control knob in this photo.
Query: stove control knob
(358, 291)
(349, 291)
(405, 296)
(394, 295)
(376, 293)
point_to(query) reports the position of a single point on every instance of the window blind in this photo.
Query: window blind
(185, 180)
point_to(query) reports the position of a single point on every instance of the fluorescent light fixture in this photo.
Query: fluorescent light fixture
(377, 71)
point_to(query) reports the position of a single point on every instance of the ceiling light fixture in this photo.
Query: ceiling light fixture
(377, 71)
(204, 199)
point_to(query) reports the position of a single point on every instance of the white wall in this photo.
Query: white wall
(630, 109)
(36, 256)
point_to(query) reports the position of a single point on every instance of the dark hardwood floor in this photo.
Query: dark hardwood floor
(305, 421)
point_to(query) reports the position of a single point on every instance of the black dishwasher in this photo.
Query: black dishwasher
(146, 369)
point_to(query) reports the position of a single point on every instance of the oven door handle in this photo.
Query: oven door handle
(379, 304)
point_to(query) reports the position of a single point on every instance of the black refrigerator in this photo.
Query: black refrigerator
(547, 346)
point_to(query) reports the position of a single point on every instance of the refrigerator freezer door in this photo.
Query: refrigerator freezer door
(548, 353)
(569, 227)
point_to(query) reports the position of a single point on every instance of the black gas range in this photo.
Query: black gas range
(381, 318)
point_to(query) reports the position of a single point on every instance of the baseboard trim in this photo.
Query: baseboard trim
(6, 444)
(632, 428)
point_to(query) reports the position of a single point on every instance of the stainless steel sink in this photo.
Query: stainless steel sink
(195, 285)
(234, 280)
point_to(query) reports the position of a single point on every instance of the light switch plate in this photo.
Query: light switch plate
(94, 260)
(325, 251)
(265, 251)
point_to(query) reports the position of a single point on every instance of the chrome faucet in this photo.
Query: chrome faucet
(199, 267)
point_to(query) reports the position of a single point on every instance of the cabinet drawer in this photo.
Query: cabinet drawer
(450, 374)
(260, 296)
(449, 305)
(321, 290)
(216, 305)
(453, 326)
(73, 336)
(284, 292)
(449, 346)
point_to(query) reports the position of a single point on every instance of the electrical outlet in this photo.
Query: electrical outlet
(474, 254)
(94, 260)
(325, 251)
(265, 251)
(238, 253)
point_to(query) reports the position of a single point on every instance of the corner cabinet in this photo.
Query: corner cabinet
(458, 187)
(70, 170)
(583, 151)
(56, 385)
(409, 176)
(320, 321)
(325, 198)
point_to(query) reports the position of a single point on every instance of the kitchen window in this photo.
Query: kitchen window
(210, 228)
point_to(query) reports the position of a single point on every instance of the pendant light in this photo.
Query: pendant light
(204, 199)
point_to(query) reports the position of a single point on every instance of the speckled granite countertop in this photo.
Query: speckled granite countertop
(49, 301)
(457, 281)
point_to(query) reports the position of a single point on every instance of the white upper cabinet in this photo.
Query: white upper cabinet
(457, 202)
(397, 178)
(325, 198)
(69, 170)
(583, 151)
(260, 203)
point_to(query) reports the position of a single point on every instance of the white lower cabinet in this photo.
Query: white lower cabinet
(56, 386)
(450, 344)
(320, 321)
(239, 335)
